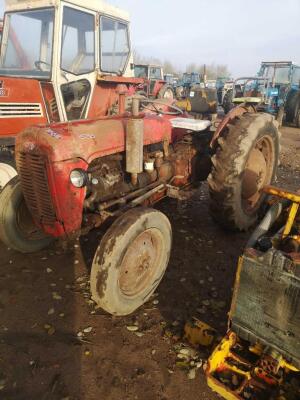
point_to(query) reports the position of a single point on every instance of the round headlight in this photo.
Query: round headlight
(78, 178)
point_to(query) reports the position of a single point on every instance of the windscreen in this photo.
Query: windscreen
(276, 73)
(141, 71)
(78, 42)
(27, 43)
(114, 42)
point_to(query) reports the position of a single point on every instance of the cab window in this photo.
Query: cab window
(78, 42)
(114, 42)
(155, 73)
(296, 76)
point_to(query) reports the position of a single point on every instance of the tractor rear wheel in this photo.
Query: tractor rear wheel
(131, 260)
(245, 161)
(17, 228)
(292, 107)
(166, 92)
(298, 119)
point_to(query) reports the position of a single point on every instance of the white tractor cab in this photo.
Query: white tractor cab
(60, 61)
(1, 28)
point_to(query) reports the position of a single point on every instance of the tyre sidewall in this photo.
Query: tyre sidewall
(110, 253)
(255, 132)
(10, 200)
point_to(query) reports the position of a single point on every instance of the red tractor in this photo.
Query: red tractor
(89, 153)
(155, 86)
(60, 61)
(75, 176)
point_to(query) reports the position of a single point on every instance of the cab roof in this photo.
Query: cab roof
(279, 63)
(94, 5)
(148, 65)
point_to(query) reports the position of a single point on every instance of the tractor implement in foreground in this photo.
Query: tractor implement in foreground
(260, 356)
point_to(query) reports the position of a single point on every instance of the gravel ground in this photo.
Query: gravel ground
(54, 345)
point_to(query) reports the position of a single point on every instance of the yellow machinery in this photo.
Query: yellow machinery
(259, 359)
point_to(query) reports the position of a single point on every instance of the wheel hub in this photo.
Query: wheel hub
(7, 172)
(255, 174)
(139, 262)
(258, 172)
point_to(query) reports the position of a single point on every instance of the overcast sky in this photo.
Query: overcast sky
(237, 33)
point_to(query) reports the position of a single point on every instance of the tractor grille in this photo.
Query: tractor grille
(33, 175)
(20, 110)
(53, 106)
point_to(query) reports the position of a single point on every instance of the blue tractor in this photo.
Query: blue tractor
(275, 90)
(188, 80)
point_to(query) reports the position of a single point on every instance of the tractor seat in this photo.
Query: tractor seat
(190, 124)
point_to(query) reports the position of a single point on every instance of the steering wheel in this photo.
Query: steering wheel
(177, 110)
(38, 65)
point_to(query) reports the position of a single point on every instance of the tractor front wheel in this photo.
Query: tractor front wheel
(131, 260)
(246, 160)
(7, 172)
(17, 228)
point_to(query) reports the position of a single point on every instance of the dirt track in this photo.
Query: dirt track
(44, 304)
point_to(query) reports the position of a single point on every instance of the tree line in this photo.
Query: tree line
(213, 71)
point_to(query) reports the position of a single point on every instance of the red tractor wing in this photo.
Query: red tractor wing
(47, 155)
(21, 105)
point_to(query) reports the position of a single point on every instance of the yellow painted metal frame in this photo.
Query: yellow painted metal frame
(223, 350)
(218, 359)
(295, 199)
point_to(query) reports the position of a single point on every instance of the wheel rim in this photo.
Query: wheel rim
(258, 173)
(26, 225)
(168, 94)
(141, 262)
(7, 172)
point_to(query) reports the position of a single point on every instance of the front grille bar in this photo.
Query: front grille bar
(34, 180)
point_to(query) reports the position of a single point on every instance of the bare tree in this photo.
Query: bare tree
(213, 71)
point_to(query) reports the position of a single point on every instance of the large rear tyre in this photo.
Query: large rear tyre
(166, 92)
(227, 101)
(245, 161)
(131, 260)
(292, 107)
(17, 229)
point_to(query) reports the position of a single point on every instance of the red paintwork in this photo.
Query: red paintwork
(157, 87)
(49, 95)
(69, 146)
(234, 113)
(21, 90)
(146, 87)
(120, 79)
(105, 95)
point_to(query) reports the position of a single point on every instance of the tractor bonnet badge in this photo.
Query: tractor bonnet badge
(3, 91)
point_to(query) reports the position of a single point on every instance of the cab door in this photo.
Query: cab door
(76, 72)
(155, 75)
